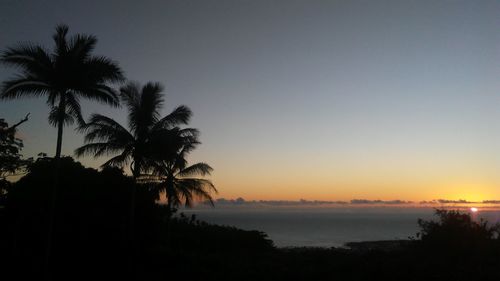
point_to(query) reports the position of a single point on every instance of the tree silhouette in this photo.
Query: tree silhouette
(179, 181)
(10, 147)
(148, 134)
(11, 161)
(65, 75)
(456, 231)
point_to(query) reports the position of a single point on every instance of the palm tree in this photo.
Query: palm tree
(179, 181)
(148, 134)
(64, 76)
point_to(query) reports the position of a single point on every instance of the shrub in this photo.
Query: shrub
(456, 231)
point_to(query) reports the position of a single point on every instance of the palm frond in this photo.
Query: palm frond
(104, 136)
(24, 87)
(201, 169)
(130, 96)
(98, 149)
(102, 69)
(190, 136)
(191, 189)
(100, 93)
(148, 114)
(174, 199)
(33, 59)
(180, 115)
(80, 46)
(102, 128)
(57, 115)
(179, 162)
(74, 108)
(60, 39)
(165, 143)
(120, 160)
(129, 93)
(53, 98)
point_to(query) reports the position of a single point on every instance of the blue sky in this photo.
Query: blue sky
(302, 99)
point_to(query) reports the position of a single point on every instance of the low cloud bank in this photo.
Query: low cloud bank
(491, 201)
(389, 202)
(354, 202)
(460, 201)
(241, 201)
(445, 201)
(302, 202)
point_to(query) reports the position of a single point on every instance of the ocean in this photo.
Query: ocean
(325, 227)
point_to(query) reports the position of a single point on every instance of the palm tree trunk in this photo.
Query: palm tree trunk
(169, 203)
(169, 189)
(55, 187)
(60, 126)
(131, 231)
(132, 208)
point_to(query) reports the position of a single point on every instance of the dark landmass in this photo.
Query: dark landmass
(92, 240)
(385, 245)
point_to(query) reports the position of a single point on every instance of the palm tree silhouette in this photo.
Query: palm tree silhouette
(65, 75)
(179, 181)
(148, 134)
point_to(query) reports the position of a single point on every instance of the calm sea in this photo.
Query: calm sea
(325, 227)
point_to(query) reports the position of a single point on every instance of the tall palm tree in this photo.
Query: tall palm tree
(64, 75)
(147, 135)
(179, 181)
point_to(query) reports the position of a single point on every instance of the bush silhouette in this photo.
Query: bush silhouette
(92, 223)
(91, 219)
(457, 231)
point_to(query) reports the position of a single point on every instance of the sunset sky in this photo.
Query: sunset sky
(328, 100)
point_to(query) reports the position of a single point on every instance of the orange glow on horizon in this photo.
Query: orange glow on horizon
(284, 179)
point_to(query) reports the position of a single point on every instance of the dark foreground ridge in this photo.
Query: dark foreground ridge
(91, 240)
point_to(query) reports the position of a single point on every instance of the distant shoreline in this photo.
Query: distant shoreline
(363, 246)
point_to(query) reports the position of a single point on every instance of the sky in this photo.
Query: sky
(315, 100)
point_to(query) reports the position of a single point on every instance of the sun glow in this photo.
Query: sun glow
(474, 210)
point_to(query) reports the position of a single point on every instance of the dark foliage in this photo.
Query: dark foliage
(91, 241)
(11, 161)
(91, 225)
(455, 231)
(191, 235)
(91, 215)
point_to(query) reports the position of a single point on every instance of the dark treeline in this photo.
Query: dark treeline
(92, 242)
(90, 237)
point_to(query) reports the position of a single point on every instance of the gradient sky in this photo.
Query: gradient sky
(327, 100)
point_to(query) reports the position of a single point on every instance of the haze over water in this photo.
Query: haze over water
(327, 226)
